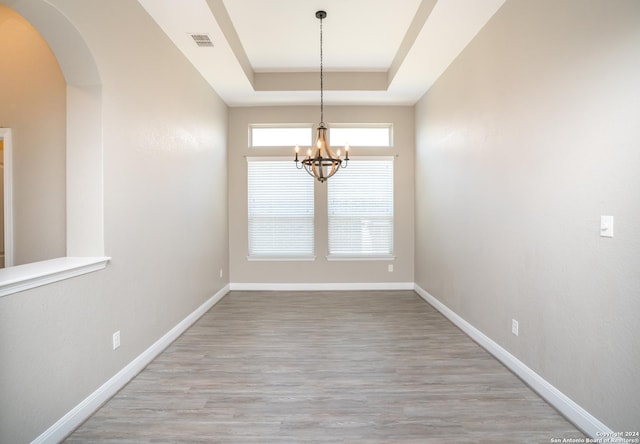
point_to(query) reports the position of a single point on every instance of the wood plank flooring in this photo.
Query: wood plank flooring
(324, 367)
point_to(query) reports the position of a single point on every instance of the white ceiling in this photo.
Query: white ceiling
(267, 52)
(284, 34)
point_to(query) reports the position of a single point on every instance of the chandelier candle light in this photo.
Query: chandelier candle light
(321, 162)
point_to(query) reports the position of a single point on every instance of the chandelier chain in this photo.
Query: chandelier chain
(321, 79)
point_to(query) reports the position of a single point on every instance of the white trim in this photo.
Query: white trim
(80, 413)
(347, 257)
(270, 158)
(338, 286)
(281, 258)
(572, 411)
(379, 158)
(23, 277)
(6, 135)
(359, 125)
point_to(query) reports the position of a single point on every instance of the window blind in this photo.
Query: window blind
(280, 209)
(360, 208)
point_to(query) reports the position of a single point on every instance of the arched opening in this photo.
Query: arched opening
(84, 169)
(33, 111)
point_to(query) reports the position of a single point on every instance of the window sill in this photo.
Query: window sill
(281, 258)
(27, 276)
(338, 257)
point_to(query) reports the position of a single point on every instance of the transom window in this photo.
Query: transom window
(368, 135)
(280, 135)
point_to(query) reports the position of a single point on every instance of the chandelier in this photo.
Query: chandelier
(321, 162)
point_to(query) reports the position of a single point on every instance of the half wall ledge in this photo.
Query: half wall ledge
(27, 276)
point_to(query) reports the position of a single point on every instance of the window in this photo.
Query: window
(280, 209)
(360, 208)
(275, 136)
(371, 135)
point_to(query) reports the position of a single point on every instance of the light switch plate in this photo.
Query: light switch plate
(606, 226)
(116, 340)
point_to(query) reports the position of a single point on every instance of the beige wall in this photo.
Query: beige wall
(165, 225)
(525, 141)
(321, 270)
(33, 105)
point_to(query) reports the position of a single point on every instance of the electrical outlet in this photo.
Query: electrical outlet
(606, 226)
(221, 272)
(116, 339)
(390, 268)
(514, 327)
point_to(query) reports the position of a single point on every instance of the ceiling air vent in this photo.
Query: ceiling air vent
(202, 40)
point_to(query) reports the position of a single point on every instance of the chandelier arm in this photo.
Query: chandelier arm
(309, 172)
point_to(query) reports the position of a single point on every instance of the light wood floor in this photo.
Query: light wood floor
(324, 367)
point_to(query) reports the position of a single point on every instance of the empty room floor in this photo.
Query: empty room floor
(325, 367)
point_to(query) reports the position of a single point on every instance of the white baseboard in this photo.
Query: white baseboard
(572, 411)
(80, 413)
(241, 286)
